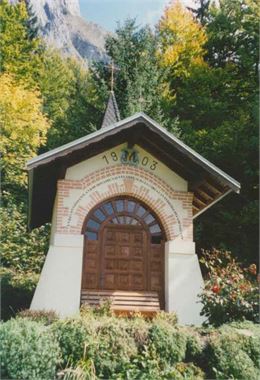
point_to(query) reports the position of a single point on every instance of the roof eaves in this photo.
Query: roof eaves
(105, 130)
(193, 153)
(140, 116)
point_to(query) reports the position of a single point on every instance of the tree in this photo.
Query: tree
(139, 84)
(233, 30)
(23, 126)
(217, 108)
(20, 49)
(69, 99)
(182, 40)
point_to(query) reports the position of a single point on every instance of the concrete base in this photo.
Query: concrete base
(183, 282)
(60, 282)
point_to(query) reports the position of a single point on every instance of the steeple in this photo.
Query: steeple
(112, 114)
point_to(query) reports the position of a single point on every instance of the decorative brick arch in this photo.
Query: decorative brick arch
(77, 197)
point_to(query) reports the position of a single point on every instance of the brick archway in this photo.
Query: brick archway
(77, 198)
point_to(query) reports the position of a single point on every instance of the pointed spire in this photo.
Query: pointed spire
(112, 114)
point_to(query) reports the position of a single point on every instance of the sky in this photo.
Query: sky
(107, 13)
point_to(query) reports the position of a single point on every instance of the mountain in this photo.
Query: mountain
(62, 27)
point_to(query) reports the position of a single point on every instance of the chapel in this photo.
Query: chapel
(121, 202)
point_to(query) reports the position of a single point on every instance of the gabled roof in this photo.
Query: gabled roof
(208, 182)
(112, 114)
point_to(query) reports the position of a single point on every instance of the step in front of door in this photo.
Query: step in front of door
(123, 300)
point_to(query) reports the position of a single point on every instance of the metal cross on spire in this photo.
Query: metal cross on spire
(113, 68)
(112, 114)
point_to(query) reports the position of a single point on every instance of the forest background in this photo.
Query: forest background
(196, 74)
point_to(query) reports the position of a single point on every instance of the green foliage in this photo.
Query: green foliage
(28, 350)
(115, 347)
(138, 329)
(74, 337)
(95, 346)
(229, 357)
(168, 342)
(216, 104)
(194, 347)
(171, 318)
(187, 371)
(47, 317)
(20, 49)
(23, 254)
(234, 36)
(16, 290)
(139, 79)
(68, 99)
(21, 250)
(231, 292)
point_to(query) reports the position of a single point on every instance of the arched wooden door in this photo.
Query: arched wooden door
(124, 248)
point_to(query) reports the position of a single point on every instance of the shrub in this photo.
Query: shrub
(194, 348)
(114, 348)
(45, 316)
(228, 355)
(142, 367)
(74, 337)
(28, 350)
(171, 318)
(84, 370)
(16, 290)
(138, 329)
(231, 292)
(185, 371)
(102, 309)
(168, 342)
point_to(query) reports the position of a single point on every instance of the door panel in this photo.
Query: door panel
(123, 271)
(91, 265)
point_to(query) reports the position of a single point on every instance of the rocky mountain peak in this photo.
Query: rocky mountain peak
(62, 27)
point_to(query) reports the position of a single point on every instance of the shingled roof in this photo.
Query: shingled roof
(112, 114)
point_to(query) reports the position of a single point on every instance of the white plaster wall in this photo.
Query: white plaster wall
(183, 282)
(54, 221)
(80, 170)
(59, 286)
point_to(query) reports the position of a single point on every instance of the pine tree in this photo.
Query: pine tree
(139, 84)
(21, 51)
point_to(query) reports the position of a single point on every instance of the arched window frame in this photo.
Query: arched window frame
(116, 210)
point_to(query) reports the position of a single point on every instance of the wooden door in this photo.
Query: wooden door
(124, 258)
(124, 249)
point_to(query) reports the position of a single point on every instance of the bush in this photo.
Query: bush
(138, 329)
(171, 318)
(194, 348)
(231, 292)
(114, 348)
(16, 290)
(232, 355)
(186, 371)
(74, 337)
(28, 350)
(168, 342)
(45, 316)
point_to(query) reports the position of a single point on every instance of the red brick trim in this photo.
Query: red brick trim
(125, 180)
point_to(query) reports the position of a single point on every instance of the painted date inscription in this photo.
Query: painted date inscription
(130, 157)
